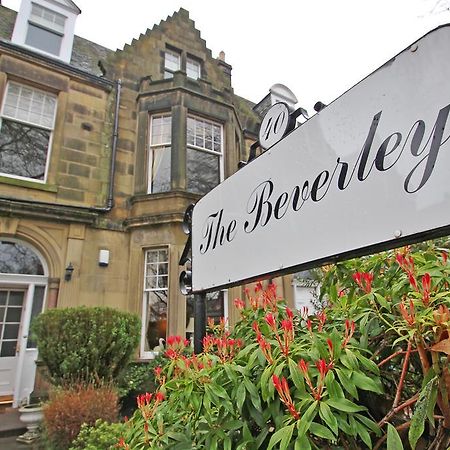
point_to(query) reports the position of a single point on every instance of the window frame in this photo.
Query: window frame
(41, 23)
(151, 354)
(219, 154)
(153, 147)
(168, 72)
(193, 61)
(30, 124)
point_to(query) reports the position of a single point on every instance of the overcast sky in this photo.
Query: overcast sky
(318, 48)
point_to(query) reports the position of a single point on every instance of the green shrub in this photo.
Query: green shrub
(69, 409)
(370, 370)
(101, 436)
(138, 377)
(81, 344)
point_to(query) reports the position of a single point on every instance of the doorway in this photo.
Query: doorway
(23, 285)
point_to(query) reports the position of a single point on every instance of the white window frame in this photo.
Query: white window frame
(150, 354)
(24, 17)
(203, 148)
(305, 291)
(169, 71)
(49, 24)
(32, 124)
(197, 72)
(155, 146)
(44, 22)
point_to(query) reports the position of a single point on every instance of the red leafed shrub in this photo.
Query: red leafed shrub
(68, 409)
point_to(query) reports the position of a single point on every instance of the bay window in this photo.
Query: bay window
(160, 154)
(27, 121)
(204, 155)
(156, 295)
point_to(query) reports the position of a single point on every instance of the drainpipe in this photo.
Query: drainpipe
(110, 199)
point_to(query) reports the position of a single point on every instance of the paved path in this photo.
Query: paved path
(9, 443)
(10, 428)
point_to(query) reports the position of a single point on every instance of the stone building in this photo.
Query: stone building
(101, 152)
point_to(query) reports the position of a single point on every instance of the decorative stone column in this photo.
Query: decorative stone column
(53, 292)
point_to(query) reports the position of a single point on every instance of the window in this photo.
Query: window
(159, 154)
(156, 294)
(45, 29)
(216, 309)
(193, 68)
(11, 306)
(306, 291)
(16, 258)
(27, 122)
(204, 155)
(172, 63)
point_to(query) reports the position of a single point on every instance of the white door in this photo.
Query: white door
(11, 312)
(23, 285)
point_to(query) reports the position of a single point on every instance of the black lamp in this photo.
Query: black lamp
(69, 270)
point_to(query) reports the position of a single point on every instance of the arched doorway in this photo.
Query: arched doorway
(23, 287)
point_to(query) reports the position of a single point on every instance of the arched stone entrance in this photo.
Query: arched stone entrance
(23, 290)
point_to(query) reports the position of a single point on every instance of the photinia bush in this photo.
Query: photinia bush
(400, 302)
(369, 370)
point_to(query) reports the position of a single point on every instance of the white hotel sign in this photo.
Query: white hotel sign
(371, 168)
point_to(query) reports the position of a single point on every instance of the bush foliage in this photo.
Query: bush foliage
(101, 436)
(69, 409)
(370, 370)
(83, 343)
(138, 378)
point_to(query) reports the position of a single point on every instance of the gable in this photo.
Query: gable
(177, 34)
(66, 4)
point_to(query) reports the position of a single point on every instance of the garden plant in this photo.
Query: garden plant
(84, 351)
(367, 370)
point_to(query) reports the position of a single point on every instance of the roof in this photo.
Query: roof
(85, 54)
(249, 119)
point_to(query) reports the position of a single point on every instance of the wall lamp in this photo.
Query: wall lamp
(69, 271)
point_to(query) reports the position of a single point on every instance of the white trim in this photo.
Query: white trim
(219, 154)
(197, 64)
(22, 341)
(31, 125)
(38, 19)
(149, 354)
(20, 280)
(67, 5)
(152, 148)
(29, 283)
(67, 9)
(225, 304)
(168, 70)
(44, 92)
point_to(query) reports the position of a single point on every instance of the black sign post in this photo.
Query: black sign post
(186, 285)
(199, 321)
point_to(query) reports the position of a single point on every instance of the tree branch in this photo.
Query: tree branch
(401, 427)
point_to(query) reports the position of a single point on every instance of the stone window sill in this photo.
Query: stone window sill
(28, 184)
